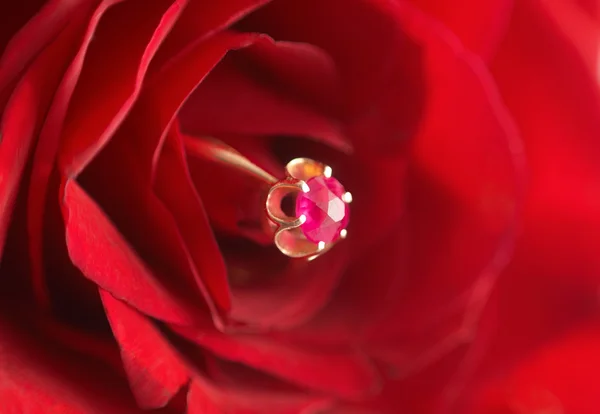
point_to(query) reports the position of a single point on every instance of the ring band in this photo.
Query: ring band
(321, 212)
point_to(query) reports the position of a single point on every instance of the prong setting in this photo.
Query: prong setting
(347, 197)
(308, 233)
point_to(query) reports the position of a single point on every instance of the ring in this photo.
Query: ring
(308, 209)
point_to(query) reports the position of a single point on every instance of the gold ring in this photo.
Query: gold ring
(317, 215)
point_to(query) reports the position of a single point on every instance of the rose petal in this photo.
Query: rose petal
(73, 320)
(560, 377)
(531, 306)
(552, 283)
(205, 399)
(346, 374)
(433, 298)
(111, 97)
(423, 392)
(155, 372)
(462, 205)
(90, 236)
(269, 290)
(480, 25)
(95, 345)
(382, 94)
(244, 211)
(128, 163)
(231, 102)
(234, 375)
(591, 7)
(186, 207)
(100, 28)
(345, 319)
(379, 189)
(126, 196)
(199, 22)
(302, 71)
(74, 299)
(156, 369)
(40, 379)
(36, 34)
(21, 14)
(167, 89)
(23, 118)
(580, 27)
(558, 114)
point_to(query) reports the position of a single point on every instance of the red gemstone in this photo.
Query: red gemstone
(325, 211)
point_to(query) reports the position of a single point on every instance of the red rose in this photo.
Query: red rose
(136, 272)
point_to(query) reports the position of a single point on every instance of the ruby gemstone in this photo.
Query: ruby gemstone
(325, 211)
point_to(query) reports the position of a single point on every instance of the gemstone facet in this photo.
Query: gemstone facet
(326, 212)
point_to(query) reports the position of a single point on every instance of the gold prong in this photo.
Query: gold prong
(288, 237)
(273, 203)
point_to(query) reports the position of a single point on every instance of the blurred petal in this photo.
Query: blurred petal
(230, 101)
(270, 290)
(590, 7)
(206, 399)
(462, 206)
(551, 92)
(422, 284)
(552, 282)
(560, 377)
(357, 301)
(378, 66)
(580, 24)
(422, 392)
(346, 374)
(480, 25)
(302, 71)
(21, 13)
(533, 304)
(40, 379)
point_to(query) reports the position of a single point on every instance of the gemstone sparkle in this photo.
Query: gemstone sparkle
(324, 208)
